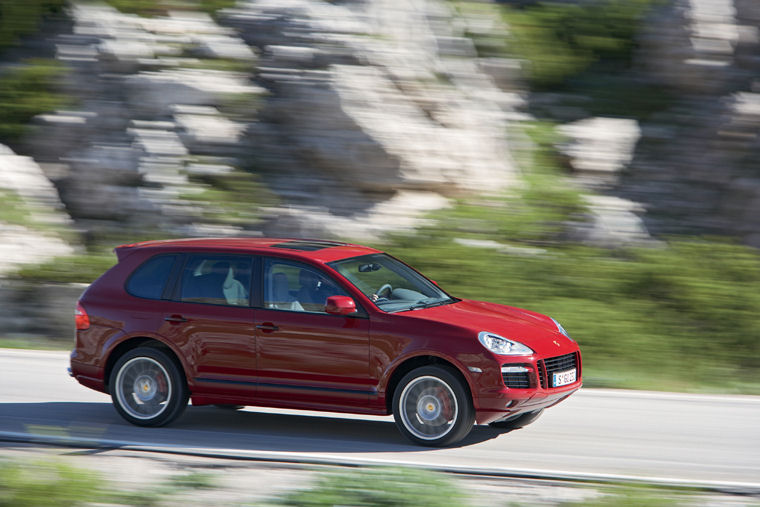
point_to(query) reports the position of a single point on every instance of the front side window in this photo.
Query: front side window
(149, 279)
(297, 287)
(390, 284)
(216, 280)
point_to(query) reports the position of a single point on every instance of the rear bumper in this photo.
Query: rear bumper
(87, 375)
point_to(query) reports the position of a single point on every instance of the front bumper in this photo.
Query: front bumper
(527, 386)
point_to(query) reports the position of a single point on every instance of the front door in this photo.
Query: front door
(306, 357)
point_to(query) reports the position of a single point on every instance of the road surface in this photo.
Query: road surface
(706, 439)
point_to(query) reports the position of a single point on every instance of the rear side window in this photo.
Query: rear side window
(217, 280)
(148, 281)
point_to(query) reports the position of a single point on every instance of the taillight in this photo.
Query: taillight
(81, 318)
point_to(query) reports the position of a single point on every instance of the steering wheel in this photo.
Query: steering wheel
(386, 287)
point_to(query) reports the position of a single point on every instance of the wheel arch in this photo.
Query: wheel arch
(133, 343)
(415, 362)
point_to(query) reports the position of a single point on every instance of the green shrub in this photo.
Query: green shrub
(43, 483)
(73, 269)
(162, 7)
(560, 40)
(19, 18)
(637, 496)
(27, 91)
(378, 488)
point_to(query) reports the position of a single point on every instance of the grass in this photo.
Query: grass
(38, 483)
(583, 50)
(233, 199)
(150, 8)
(379, 487)
(18, 19)
(35, 343)
(74, 269)
(44, 482)
(561, 40)
(25, 92)
(637, 496)
(14, 210)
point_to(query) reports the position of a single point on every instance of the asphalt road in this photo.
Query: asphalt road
(599, 433)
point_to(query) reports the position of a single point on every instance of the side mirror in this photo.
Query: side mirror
(340, 305)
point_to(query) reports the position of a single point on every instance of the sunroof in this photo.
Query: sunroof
(307, 245)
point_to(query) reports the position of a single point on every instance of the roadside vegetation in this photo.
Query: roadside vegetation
(42, 483)
(679, 315)
(162, 7)
(18, 19)
(26, 91)
(582, 50)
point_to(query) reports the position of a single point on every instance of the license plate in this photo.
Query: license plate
(563, 378)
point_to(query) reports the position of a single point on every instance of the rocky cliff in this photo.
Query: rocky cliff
(359, 117)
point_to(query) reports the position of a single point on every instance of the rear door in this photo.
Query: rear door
(306, 357)
(211, 320)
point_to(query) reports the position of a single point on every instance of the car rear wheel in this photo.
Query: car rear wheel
(517, 421)
(147, 387)
(431, 407)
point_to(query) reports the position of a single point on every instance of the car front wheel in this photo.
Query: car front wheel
(147, 387)
(432, 408)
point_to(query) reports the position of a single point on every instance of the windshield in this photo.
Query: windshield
(390, 284)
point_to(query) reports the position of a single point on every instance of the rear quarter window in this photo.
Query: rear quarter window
(149, 279)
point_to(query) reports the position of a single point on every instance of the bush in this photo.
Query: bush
(73, 269)
(378, 488)
(161, 7)
(561, 40)
(43, 483)
(27, 91)
(19, 18)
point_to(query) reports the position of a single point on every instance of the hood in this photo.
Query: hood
(530, 328)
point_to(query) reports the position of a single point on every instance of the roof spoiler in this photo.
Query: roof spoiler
(123, 251)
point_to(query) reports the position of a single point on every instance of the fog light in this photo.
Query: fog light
(514, 369)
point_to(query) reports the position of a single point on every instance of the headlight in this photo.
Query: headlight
(500, 345)
(560, 328)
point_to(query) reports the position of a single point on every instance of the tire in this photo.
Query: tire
(518, 421)
(432, 407)
(147, 387)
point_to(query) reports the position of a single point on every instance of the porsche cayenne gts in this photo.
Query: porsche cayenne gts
(316, 325)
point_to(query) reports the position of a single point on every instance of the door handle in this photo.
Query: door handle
(267, 326)
(175, 319)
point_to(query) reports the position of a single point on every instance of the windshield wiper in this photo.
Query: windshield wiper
(420, 306)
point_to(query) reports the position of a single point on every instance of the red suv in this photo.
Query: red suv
(315, 325)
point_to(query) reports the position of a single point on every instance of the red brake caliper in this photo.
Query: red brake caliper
(446, 408)
(161, 381)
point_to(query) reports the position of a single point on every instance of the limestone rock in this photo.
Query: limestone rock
(600, 148)
(158, 92)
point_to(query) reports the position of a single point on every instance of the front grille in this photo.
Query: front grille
(556, 364)
(516, 380)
